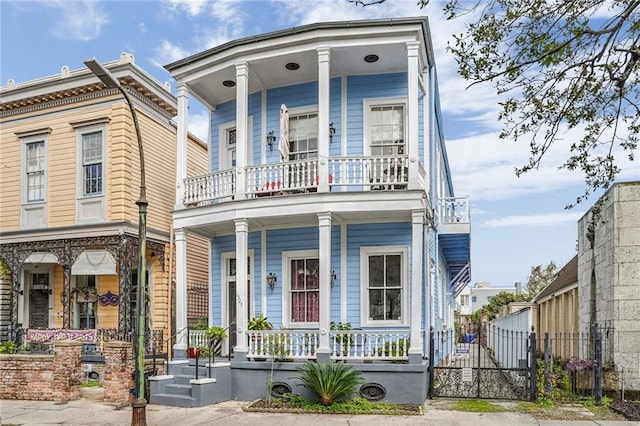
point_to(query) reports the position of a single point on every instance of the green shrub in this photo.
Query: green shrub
(329, 380)
(8, 347)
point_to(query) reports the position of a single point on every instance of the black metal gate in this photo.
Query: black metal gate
(477, 361)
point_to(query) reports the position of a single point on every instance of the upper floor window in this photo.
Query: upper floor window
(303, 136)
(385, 272)
(386, 126)
(231, 146)
(35, 170)
(92, 163)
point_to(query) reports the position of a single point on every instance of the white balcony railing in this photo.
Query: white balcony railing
(391, 345)
(454, 210)
(368, 173)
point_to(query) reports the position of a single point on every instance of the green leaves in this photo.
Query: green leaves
(563, 65)
(329, 380)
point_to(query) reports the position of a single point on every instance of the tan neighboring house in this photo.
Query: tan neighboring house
(68, 220)
(556, 309)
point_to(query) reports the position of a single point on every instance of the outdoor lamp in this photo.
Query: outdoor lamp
(333, 277)
(271, 138)
(271, 280)
(332, 131)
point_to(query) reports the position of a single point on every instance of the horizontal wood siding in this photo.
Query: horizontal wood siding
(254, 243)
(335, 114)
(255, 108)
(107, 316)
(364, 87)
(197, 259)
(160, 166)
(197, 157)
(378, 234)
(10, 175)
(335, 266)
(122, 193)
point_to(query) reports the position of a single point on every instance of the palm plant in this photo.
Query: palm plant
(330, 381)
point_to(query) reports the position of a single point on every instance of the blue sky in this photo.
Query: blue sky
(517, 223)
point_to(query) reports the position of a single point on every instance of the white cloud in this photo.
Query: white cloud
(142, 27)
(81, 21)
(199, 125)
(547, 219)
(167, 52)
(191, 7)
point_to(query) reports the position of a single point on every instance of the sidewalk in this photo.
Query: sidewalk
(85, 412)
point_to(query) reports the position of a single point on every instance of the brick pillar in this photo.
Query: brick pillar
(67, 370)
(118, 371)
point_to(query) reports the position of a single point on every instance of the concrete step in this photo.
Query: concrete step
(176, 389)
(173, 400)
(183, 379)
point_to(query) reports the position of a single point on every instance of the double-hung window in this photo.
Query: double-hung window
(384, 277)
(92, 163)
(303, 136)
(91, 172)
(303, 288)
(35, 168)
(387, 128)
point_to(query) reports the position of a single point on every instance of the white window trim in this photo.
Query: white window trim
(24, 203)
(224, 309)
(90, 127)
(80, 175)
(366, 118)
(287, 256)
(223, 128)
(365, 252)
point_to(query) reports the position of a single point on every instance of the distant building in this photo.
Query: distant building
(473, 298)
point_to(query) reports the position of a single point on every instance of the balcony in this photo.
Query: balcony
(354, 173)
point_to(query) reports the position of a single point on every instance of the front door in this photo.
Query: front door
(232, 295)
(39, 301)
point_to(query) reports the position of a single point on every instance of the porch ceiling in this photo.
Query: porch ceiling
(300, 211)
(456, 247)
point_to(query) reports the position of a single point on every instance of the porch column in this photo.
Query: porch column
(242, 141)
(242, 302)
(412, 112)
(324, 228)
(182, 338)
(417, 242)
(323, 118)
(182, 138)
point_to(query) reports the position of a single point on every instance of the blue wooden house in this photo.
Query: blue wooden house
(329, 204)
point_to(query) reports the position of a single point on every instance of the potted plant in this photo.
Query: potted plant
(215, 335)
(259, 322)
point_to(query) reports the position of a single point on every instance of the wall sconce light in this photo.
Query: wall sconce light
(333, 277)
(271, 280)
(271, 138)
(332, 131)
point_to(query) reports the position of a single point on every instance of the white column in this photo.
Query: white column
(417, 243)
(181, 143)
(182, 343)
(242, 117)
(427, 125)
(324, 229)
(242, 300)
(412, 112)
(323, 117)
